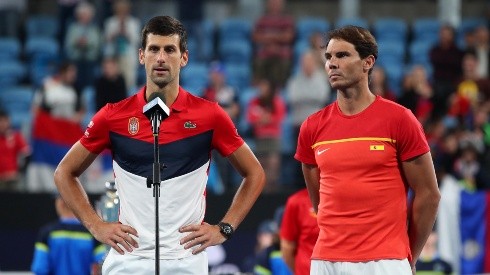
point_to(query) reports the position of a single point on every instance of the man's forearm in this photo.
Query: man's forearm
(76, 198)
(424, 211)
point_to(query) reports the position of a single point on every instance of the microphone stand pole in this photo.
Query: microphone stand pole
(156, 118)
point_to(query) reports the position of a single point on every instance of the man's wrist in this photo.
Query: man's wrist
(226, 229)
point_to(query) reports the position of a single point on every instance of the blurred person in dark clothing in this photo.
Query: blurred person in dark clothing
(110, 87)
(481, 46)
(273, 38)
(445, 58)
(417, 93)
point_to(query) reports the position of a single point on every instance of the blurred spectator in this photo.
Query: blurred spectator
(446, 59)
(417, 93)
(14, 156)
(266, 113)
(466, 166)
(66, 246)
(446, 155)
(481, 47)
(435, 130)
(269, 260)
(226, 96)
(429, 259)
(266, 232)
(299, 232)
(56, 105)
(317, 44)
(219, 91)
(307, 92)
(66, 14)
(122, 34)
(110, 86)
(379, 84)
(471, 91)
(273, 37)
(58, 96)
(82, 44)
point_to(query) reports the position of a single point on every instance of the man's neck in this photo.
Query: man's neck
(170, 92)
(354, 101)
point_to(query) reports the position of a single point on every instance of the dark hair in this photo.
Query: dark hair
(165, 25)
(363, 41)
(268, 101)
(64, 66)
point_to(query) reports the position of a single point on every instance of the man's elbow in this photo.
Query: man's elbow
(59, 176)
(433, 199)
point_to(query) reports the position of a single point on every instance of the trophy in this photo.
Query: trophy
(108, 204)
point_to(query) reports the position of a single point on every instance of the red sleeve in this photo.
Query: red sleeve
(304, 152)
(225, 137)
(96, 136)
(411, 140)
(290, 225)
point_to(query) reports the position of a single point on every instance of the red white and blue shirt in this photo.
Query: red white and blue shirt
(194, 127)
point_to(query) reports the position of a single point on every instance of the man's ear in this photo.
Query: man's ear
(141, 56)
(368, 63)
(185, 59)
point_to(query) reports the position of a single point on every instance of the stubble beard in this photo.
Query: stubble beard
(161, 82)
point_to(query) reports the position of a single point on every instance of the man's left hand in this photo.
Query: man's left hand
(201, 236)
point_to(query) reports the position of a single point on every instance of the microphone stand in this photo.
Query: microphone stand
(156, 119)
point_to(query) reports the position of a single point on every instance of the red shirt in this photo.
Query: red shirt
(277, 25)
(271, 129)
(299, 225)
(11, 145)
(362, 212)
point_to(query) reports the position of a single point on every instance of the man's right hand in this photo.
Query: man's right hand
(117, 235)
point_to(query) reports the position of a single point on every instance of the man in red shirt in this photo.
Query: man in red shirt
(299, 232)
(360, 155)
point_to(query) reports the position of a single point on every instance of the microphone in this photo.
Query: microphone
(156, 110)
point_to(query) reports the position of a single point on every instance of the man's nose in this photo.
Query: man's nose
(161, 56)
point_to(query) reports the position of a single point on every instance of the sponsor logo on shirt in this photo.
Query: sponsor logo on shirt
(90, 125)
(319, 152)
(133, 125)
(189, 125)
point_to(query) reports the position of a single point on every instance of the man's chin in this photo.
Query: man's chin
(160, 82)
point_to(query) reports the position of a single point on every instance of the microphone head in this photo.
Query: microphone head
(156, 102)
